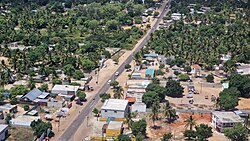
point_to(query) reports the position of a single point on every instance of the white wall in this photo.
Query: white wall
(111, 113)
(138, 96)
(2, 134)
(59, 92)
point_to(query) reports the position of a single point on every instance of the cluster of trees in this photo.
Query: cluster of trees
(54, 32)
(39, 127)
(239, 86)
(155, 92)
(203, 43)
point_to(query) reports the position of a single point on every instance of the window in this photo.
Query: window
(115, 111)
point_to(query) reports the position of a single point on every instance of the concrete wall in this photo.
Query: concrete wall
(59, 92)
(3, 134)
(112, 113)
(53, 104)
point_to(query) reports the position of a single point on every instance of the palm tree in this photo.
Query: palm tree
(154, 115)
(129, 120)
(190, 122)
(169, 112)
(118, 92)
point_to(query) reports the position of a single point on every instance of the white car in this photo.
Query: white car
(117, 73)
(109, 81)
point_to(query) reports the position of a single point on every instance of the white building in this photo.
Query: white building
(65, 89)
(196, 70)
(177, 16)
(3, 131)
(224, 120)
(23, 121)
(142, 83)
(139, 107)
(243, 69)
(116, 108)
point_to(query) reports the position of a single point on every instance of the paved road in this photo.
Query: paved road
(70, 131)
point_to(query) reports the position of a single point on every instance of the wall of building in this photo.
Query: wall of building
(112, 132)
(3, 134)
(112, 113)
(53, 104)
(59, 92)
(138, 96)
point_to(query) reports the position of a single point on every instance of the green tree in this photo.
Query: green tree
(203, 132)
(229, 66)
(149, 97)
(237, 133)
(123, 137)
(139, 127)
(31, 83)
(241, 82)
(187, 69)
(155, 80)
(81, 95)
(166, 137)
(190, 122)
(154, 115)
(78, 74)
(26, 107)
(8, 118)
(96, 112)
(127, 66)
(118, 92)
(229, 98)
(69, 69)
(168, 112)
(18, 90)
(104, 96)
(161, 66)
(114, 84)
(184, 77)
(156, 14)
(161, 91)
(87, 65)
(56, 81)
(210, 78)
(174, 89)
(190, 134)
(39, 127)
(43, 87)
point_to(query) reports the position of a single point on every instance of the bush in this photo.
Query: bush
(56, 81)
(184, 77)
(127, 66)
(210, 78)
(161, 66)
(78, 74)
(159, 72)
(75, 84)
(13, 101)
(81, 95)
(156, 14)
(176, 72)
(26, 107)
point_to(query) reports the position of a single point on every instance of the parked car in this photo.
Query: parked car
(117, 73)
(79, 103)
(109, 81)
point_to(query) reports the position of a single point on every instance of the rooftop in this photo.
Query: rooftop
(227, 117)
(115, 104)
(7, 107)
(115, 125)
(131, 99)
(65, 87)
(34, 94)
(3, 126)
(196, 66)
(150, 55)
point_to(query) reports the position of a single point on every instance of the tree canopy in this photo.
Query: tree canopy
(229, 98)
(174, 89)
(237, 133)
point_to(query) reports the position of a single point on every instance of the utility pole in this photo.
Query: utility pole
(97, 78)
(87, 121)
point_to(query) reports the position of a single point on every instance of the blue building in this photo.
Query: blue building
(150, 73)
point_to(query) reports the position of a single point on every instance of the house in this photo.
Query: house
(131, 100)
(225, 120)
(7, 108)
(3, 132)
(152, 55)
(116, 108)
(176, 16)
(243, 69)
(225, 57)
(36, 97)
(150, 73)
(114, 129)
(196, 70)
(136, 76)
(65, 89)
(138, 83)
(138, 107)
(136, 92)
(165, 60)
(23, 121)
